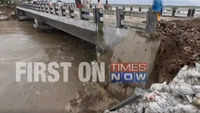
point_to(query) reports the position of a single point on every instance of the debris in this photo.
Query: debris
(196, 102)
(93, 99)
(181, 95)
(3, 17)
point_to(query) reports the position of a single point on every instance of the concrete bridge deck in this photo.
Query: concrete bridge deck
(127, 43)
(83, 29)
(115, 44)
(58, 17)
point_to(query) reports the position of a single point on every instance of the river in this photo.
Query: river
(20, 42)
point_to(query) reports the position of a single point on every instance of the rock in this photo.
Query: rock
(181, 95)
(3, 17)
(180, 108)
(196, 102)
(196, 89)
(160, 87)
(182, 89)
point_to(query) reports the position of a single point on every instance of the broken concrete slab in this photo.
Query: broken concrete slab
(134, 46)
(163, 98)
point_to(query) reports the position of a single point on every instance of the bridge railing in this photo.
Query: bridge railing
(118, 13)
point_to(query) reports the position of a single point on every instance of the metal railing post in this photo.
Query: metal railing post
(60, 10)
(81, 13)
(71, 12)
(99, 26)
(140, 9)
(131, 9)
(48, 9)
(53, 10)
(98, 15)
(119, 17)
(189, 13)
(95, 14)
(151, 21)
(193, 12)
(173, 12)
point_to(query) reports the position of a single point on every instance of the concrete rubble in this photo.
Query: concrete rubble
(3, 17)
(181, 95)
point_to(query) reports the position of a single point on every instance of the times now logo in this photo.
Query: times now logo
(128, 72)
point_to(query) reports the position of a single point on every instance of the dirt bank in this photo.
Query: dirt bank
(180, 45)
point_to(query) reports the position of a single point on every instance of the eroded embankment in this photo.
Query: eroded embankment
(180, 45)
(176, 63)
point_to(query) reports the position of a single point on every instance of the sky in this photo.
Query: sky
(166, 2)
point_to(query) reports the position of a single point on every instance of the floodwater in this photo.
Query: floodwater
(20, 42)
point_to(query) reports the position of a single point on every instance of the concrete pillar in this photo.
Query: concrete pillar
(42, 8)
(57, 10)
(54, 10)
(193, 12)
(66, 11)
(60, 10)
(38, 24)
(124, 7)
(98, 15)
(151, 21)
(81, 13)
(189, 13)
(118, 21)
(71, 12)
(173, 12)
(46, 8)
(119, 17)
(110, 9)
(49, 9)
(131, 9)
(37, 7)
(34, 6)
(100, 26)
(140, 9)
(95, 15)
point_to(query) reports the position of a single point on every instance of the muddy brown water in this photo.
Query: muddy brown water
(19, 41)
